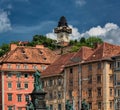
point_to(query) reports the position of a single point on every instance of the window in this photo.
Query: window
(18, 75)
(19, 108)
(50, 82)
(50, 95)
(55, 95)
(99, 92)
(59, 107)
(9, 75)
(70, 93)
(99, 105)
(42, 83)
(26, 75)
(25, 66)
(26, 85)
(111, 78)
(51, 107)
(111, 65)
(89, 67)
(90, 106)
(9, 66)
(118, 64)
(18, 66)
(43, 67)
(59, 81)
(19, 97)
(118, 92)
(90, 93)
(71, 82)
(59, 95)
(34, 67)
(98, 78)
(10, 108)
(111, 92)
(90, 79)
(9, 97)
(99, 65)
(18, 85)
(111, 104)
(71, 70)
(9, 85)
(26, 98)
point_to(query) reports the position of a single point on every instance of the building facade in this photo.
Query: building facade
(17, 68)
(87, 74)
(116, 82)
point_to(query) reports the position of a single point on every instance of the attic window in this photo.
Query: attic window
(45, 58)
(26, 57)
(40, 52)
(23, 51)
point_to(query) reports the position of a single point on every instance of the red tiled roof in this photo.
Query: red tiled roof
(106, 50)
(29, 55)
(81, 55)
(57, 66)
(67, 59)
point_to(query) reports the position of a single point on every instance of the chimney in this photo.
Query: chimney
(40, 46)
(13, 46)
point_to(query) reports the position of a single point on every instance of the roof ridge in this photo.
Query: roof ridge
(9, 54)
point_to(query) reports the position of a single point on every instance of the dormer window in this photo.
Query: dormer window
(40, 52)
(26, 57)
(23, 51)
(45, 58)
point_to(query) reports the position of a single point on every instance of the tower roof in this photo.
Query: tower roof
(62, 22)
(63, 26)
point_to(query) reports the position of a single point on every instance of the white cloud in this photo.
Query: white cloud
(5, 24)
(80, 2)
(52, 35)
(109, 33)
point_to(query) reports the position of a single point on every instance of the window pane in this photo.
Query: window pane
(19, 97)
(9, 107)
(9, 97)
(26, 98)
(18, 85)
(9, 85)
(9, 74)
(59, 107)
(26, 85)
(26, 75)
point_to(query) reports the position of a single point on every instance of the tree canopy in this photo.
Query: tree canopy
(51, 44)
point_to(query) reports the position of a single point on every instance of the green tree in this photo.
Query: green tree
(90, 42)
(4, 48)
(82, 40)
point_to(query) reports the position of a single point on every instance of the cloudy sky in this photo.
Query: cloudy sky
(21, 19)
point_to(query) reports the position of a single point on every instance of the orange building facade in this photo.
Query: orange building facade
(17, 68)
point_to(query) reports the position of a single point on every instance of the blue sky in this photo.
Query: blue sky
(21, 19)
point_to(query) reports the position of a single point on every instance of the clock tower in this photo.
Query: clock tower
(63, 31)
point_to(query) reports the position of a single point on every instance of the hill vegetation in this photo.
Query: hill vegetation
(51, 44)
